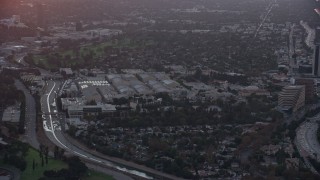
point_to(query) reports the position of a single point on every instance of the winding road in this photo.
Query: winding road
(306, 140)
(54, 132)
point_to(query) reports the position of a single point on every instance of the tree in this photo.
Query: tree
(18, 162)
(156, 144)
(76, 166)
(61, 153)
(79, 26)
(33, 165)
(46, 158)
(92, 102)
(42, 161)
(198, 73)
(120, 101)
(56, 152)
(5, 158)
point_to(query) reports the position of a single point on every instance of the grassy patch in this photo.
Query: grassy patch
(93, 175)
(96, 51)
(30, 174)
(41, 61)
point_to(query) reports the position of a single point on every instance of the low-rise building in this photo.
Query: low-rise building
(33, 79)
(249, 90)
(270, 149)
(66, 71)
(80, 111)
(11, 115)
(77, 122)
(66, 102)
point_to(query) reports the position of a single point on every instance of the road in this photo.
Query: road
(306, 140)
(291, 43)
(30, 119)
(307, 136)
(291, 50)
(311, 34)
(269, 9)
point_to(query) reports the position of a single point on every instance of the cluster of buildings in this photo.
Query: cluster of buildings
(270, 152)
(11, 115)
(10, 48)
(93, 95)
(32, 79)
(303, 86)
(83, 100)
(184, 143)
(81, 111)
(14, 21)
(146, 84)
(126, 85)
(85, 96)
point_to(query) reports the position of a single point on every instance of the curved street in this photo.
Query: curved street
(307, 142)
(53, 130)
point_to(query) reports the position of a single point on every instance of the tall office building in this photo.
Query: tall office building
(310, 89)
(292, 98)
(316, 60)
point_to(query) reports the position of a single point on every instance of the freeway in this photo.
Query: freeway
(52, 126)
(307, 136)
(306, 140)
(30, 116)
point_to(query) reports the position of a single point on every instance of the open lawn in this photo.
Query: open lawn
(98, 49)
(69, 58)
(41, 61)
(93, 175)
(30, 174)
